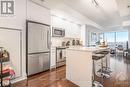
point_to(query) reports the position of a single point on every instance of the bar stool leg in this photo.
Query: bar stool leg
(107, 69)
(102, 76)
(94, 82)
(93, 75)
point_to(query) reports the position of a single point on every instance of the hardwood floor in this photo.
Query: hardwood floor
(47, 79)
(121, 72)
(120, 76)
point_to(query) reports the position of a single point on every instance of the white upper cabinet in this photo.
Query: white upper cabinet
(37, 12)
(72, 30)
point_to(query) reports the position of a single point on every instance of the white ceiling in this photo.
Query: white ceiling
(123, 7)
(107, 15)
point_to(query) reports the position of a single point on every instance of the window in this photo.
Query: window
(110, 39)
(101, 37)
(121, 39)
(115, 38)
(93, 39)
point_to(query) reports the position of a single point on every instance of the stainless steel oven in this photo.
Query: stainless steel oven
(58, 32)
(60, 56)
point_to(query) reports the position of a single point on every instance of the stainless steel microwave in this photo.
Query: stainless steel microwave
(58, 32)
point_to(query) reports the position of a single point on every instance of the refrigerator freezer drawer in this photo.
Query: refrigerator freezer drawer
(33, 64)
(46, 61)
(38, 63)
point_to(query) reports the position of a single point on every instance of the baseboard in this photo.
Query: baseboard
(19, 79)
(52, 68)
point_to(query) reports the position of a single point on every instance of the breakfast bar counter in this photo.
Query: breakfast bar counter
(79, 65)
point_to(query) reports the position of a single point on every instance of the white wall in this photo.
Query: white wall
(86, 34)
(18, 21)
(83, 35)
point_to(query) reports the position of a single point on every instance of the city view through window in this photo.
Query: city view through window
(115, 39)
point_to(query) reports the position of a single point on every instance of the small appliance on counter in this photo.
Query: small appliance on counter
(73, 42)
(68, 43)
(77, 42)
(63, 44)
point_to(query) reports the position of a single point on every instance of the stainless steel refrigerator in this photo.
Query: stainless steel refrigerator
(38, 47)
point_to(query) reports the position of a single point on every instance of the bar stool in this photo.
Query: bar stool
(106, 69)
(96, 57)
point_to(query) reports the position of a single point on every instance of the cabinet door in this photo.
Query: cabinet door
(33, 64)
(53, 58)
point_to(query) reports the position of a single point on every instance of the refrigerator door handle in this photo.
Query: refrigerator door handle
(48, 44)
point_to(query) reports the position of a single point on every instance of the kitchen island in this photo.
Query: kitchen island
(79, 65)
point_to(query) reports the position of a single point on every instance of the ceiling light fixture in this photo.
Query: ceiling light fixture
(95, 3)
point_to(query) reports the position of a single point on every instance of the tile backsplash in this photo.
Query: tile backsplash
(57, 41)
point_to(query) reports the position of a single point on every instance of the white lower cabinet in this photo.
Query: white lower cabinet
(53, 57)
